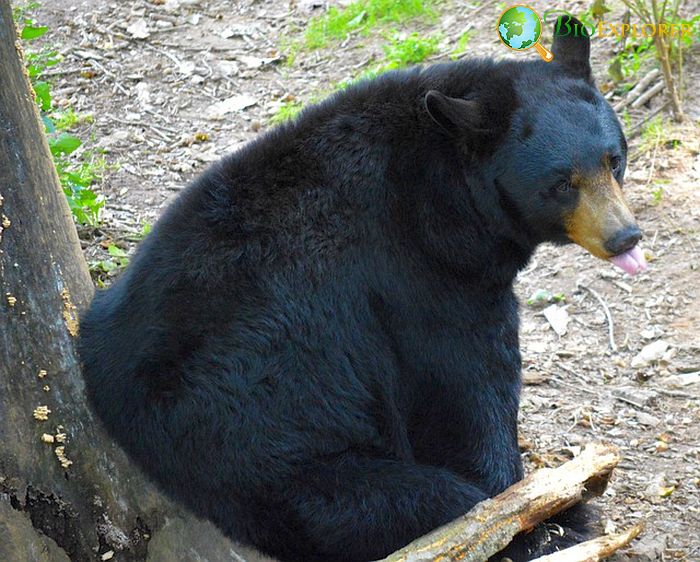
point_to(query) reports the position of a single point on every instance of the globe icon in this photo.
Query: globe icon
(519, 28)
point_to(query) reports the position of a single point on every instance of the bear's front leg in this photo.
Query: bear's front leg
(490, 445)
(470, 429)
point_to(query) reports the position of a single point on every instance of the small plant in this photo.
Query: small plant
(626, 118)
(630, 59)
(461, 46)
(594, 14)
(400, 52)
(657, 194)
(410, 50)
(360, 16)
(68, 119)
(76, 175)
(76, 180)
(287, 111)
(117, 260)
(658, 190)
(146, 228)
(657, 133)
(140, 234)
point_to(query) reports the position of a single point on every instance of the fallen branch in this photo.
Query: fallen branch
(638, 90)
(646, 96)
(492, 524)
(595, 550)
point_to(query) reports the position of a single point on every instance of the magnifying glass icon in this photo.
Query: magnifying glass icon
(519, 27)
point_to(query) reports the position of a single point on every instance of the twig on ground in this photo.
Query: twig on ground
(576, 387)
(106, 72)
(676, 393)
(608, 315)
(533, 265)
(575, 373)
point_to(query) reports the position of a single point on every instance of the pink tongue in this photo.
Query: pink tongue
(632, 261)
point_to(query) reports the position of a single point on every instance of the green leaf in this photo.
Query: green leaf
(33, 31)
(87, 197)
(615, 70)
(357, 20)
(48, 124)
(51, 58)
(106, 265)
(78, 180)
(64, 144)
(34, 70)
(43, 95)
(115, 251)
(599, 9)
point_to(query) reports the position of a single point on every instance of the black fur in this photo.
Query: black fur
(317, 346)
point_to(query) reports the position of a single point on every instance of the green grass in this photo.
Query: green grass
(68, 119)
(287, 111)
(461, 46)
(411, 50)
(399, 54)
(655, 133)
(361, 16)
(658, 190)
(626, 119)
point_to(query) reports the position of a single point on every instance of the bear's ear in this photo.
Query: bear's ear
(455, 115)
(572, 46)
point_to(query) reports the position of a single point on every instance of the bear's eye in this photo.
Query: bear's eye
(564, 186)
(615, 164)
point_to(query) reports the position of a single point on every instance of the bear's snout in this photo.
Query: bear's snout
(623, 240)
(603, 224)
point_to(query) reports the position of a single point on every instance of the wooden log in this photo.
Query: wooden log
(646, 96)
(596, 549)
(638, 90)
(492, 524)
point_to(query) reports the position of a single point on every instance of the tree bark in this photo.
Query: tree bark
(66, 492)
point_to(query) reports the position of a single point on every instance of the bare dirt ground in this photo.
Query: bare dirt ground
(155, 74)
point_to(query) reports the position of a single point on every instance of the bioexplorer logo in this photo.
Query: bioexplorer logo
(565, 26)
(520, 28)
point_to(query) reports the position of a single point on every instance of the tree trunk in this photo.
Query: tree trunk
(66, 492)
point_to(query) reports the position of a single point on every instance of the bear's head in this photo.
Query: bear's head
(557, 169)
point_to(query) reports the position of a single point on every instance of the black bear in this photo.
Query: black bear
(317, 346)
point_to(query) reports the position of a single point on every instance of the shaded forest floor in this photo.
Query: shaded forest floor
(174, 85)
